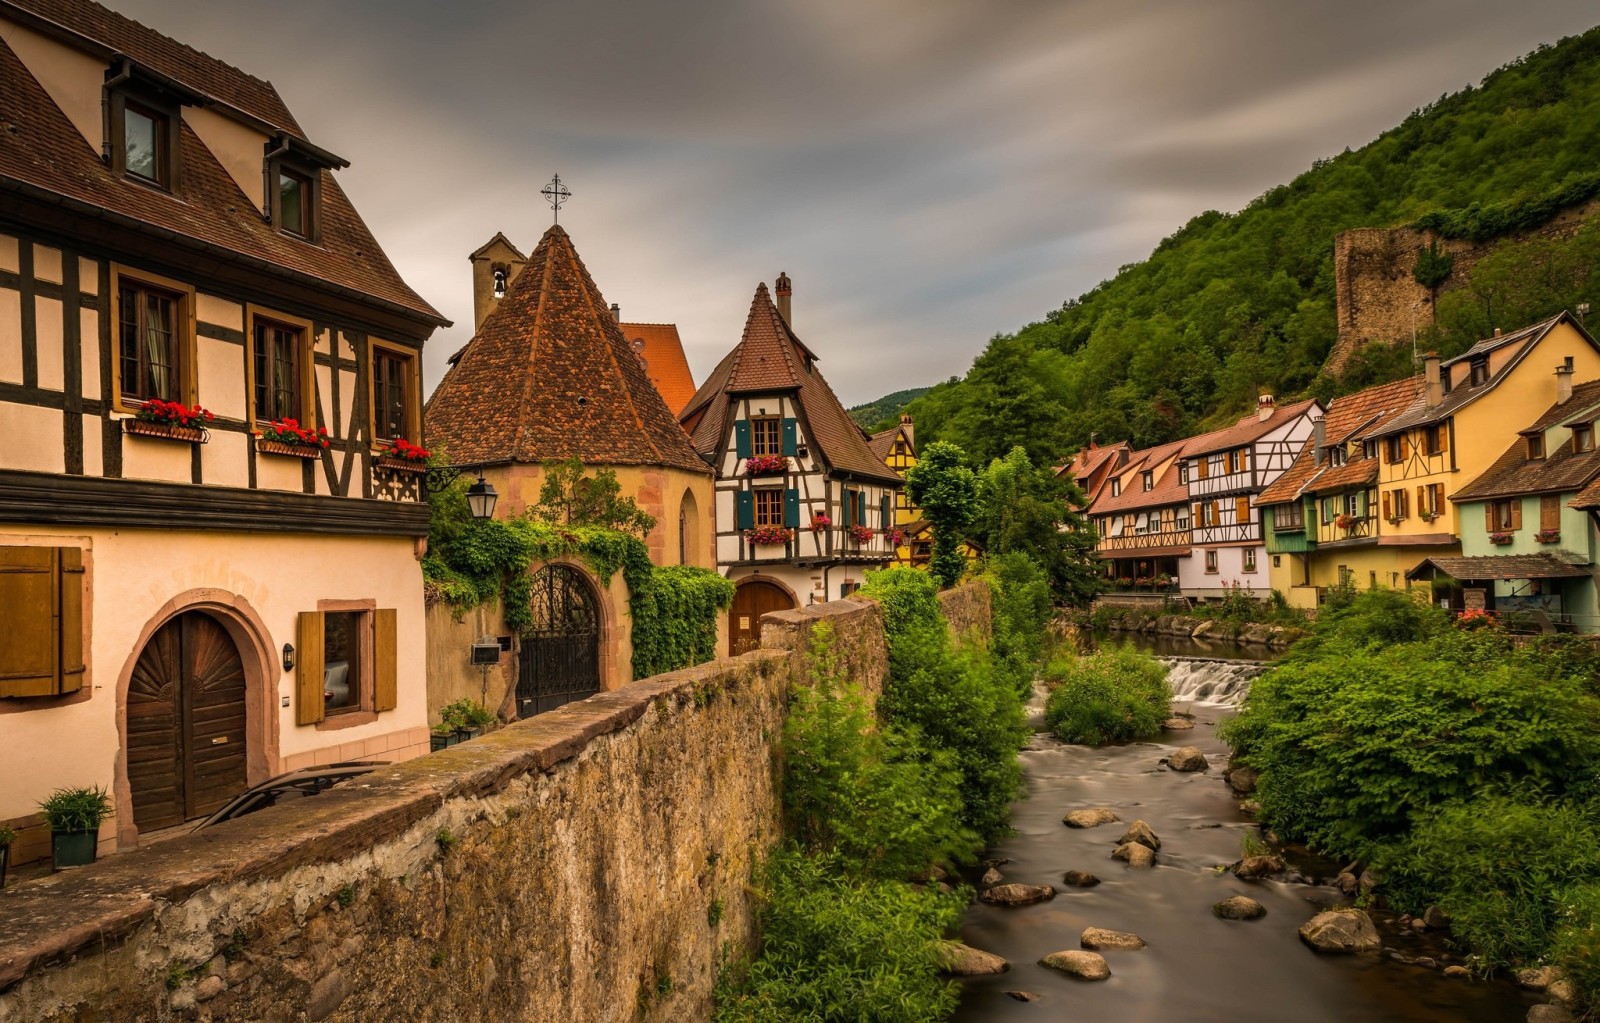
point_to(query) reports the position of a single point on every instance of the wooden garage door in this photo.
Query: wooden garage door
(186, 723)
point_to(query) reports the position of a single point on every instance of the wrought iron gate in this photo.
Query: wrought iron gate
(560, 659)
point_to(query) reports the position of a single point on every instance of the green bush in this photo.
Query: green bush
(1021, 614)
(884, 806)
(837, 950)
(77, 809)
(1502, 867)
(1577, 941)
(1116, 694)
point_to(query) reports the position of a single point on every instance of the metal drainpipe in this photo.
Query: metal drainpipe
(106, 141)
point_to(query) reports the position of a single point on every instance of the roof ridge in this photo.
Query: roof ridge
(603, 317)
(528, 378)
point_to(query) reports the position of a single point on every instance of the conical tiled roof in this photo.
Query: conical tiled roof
(549, 376)
(769, 358)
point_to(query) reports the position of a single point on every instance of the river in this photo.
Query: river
(1197, 968)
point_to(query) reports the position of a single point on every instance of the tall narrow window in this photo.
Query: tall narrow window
(766, 435)
(294, 202)
(148, 343)
(769, 507)
(341, 664)
(1583, 437)
(391, 394)
(144, 144)
(277, 370)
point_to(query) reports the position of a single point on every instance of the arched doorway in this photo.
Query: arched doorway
(754, 598)
(688, 519)
(186, 722)
(560, 658)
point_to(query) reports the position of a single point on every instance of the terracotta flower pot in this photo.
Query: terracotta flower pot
(278, 447)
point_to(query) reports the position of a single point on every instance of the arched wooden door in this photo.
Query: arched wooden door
(754, 598)
(560, 658)
(186, 723)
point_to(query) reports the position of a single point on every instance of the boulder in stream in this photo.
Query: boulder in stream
(1436, 918)
(1239, 907)
(1341, 930)
(1177, 724)
(1080, 879)
(1254, 867)
(1023, 996)
(961, 960)
(1139, 857)
(1549, 1014)
(991, 877)
(1190, 758)
(1457, 972)
(1082, 965)
(1538, 978)
(1241, 779)
(1099, 939)
(1017, 894)
(1140, 832)
(1091, 818)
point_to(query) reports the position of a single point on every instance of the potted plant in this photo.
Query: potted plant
(769, 536)
(1345, 522)
(1500, 539)
(896, 536)
(766, 465)
(1548, 536)
(1428, 516)
(862, 534)
(7, 836)
(440, 736)
(288, 437)
(173, 419)
(75, 815)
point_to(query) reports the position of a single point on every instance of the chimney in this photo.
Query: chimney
(784, 289)
(907, 428)
(1265, 407)
(1432, 389)
(1319, 439)
(1564, 382)
(616, 312)
(1497, 332)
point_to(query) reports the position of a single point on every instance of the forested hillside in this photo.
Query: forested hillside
(885, 412)
(1233, 303)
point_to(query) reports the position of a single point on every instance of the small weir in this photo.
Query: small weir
(1197, 968)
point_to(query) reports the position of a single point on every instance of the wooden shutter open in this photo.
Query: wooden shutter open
(791, 437)
(1516, 513)
(1422, 499)
(1241, 510)
(385, 662)
(70, 588)
(744, 508)
(1550, 512)
(308, 695)
(1388, 506)
(1488, 517)
(791, 508)
(30, 645)
(741, 438)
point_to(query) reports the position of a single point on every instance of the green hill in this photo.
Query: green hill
(1233, 303)
(885, 412)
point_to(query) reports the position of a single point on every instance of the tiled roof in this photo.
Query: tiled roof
(1166, 491)
(1489, 344)
(1588, 497)
(881, 444)
(1245, 431)
(549, 376)
(45, 156)
(1501, 566)
(1561, 470)
(1088, 463)
(1347, 419)
(769, 358)
(659, 346)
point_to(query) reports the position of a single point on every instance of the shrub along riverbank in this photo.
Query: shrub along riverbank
(1116, 694)
(1462, 766)
(870, 803)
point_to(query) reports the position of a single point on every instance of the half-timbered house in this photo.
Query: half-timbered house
(897, 448)
(549, 376)
(208, 559)
(804, 509)
(1141, 515)
(1224, 471)
(1093, 466)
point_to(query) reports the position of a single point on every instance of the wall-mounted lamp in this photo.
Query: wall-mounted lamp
(481, 498)
(288, 657)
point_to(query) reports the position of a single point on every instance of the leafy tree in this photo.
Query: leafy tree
(568, 497)
(1433, 268)
(1028, 509)
(947, 492)
(1113, 695)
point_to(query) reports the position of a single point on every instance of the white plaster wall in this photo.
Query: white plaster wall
(1195, 581)
(31, 438)
(155, 458)
(50, 348)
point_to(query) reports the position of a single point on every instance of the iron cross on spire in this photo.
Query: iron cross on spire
(556, 194)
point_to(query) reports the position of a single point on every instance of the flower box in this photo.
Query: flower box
(769, 536)
(278, 447)
(169, 431)
(389, 463)
(1548, 536)
(766, 465)
(820, 523)
(862, 534)
(1345, 522)
(400, 455)
(1500, 539)
(896, 536)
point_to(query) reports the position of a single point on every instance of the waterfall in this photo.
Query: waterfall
(1210, 680)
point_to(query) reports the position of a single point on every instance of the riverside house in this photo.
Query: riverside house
(210, 376)
(897, 448)
(804, 509)
(1141, 515)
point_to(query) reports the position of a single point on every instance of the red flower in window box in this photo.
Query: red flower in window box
(173, 413)
(1500, 539)
(403, 450)
(1548, 536)
(769, 536)
(290, 432)
(820, 522)
(896, 536)
(766, 465)
(862, 534)
(1476, 618)
(1345, 521)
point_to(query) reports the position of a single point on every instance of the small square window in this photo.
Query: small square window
(1535, 445)
(1583, 437)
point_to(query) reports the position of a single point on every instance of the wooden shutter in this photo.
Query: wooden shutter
(1550, 512)
(861, 508)
(70, 587)
(1488, 517)
(1199, 517)
(1444, 437)
(884, 513)
(741, 438)
(385, 664)
(308, 698)
(1388, 506)
(30, 645)
(744, 504)
(1422, 499)
(791, 438)
(1516, 513)
(1241, 510)
(791, 508)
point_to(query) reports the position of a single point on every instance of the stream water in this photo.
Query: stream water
(1197, 968)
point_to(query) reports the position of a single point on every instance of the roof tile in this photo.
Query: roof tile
(661, 350)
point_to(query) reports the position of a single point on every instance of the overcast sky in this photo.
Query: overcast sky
(929, 173)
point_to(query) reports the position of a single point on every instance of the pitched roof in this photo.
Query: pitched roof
(882, 442)
(1166, 487)
(1500, 566)
(498, 239)
(1562, 469)
(661, 350)
(46, 157)
(549, 376)
(770, 358)
(1588, 497)
(1346, 420)
(1247, 430)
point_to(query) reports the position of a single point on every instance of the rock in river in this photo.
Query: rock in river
(1340, 930)
(1188, 759)
(1252, 867)
(991, 877)
(1090, 818)
(1549, 1014)
(1080, 879)
(1177, 724)
(1017, 894)
(959, 960)
(1241, 779)
(1140, 857)
(1082, 965)
(1023, 996)
(1100, 939)
(1140, 832)
(1239, 907)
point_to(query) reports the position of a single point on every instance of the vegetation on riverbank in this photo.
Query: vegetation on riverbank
(1115, 694)
(1462, 765)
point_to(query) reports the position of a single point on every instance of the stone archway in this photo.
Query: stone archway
(688, 531)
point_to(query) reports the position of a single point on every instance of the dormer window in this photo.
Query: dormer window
(1480, 372)
(1116, 488)
(1583, 437)
(499, 280)
(294, 203)
(1535, 443)
(144, 144)
(143, 115)
(1183, 472)
(1336, 455)
(293, 171)
(1148, 478)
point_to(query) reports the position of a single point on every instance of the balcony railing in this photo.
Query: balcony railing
(1141, 541)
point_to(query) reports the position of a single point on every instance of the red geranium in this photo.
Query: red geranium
(174, 413)
(404, 450)
(289, 431)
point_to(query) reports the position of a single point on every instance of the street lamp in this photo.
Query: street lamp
(481, 498)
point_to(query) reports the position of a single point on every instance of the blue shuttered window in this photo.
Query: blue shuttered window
(741, 438)
(790, 438)
(791, 508)
(744, 503)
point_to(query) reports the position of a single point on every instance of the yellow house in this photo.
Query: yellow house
(1469, 409)
(898, 448)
